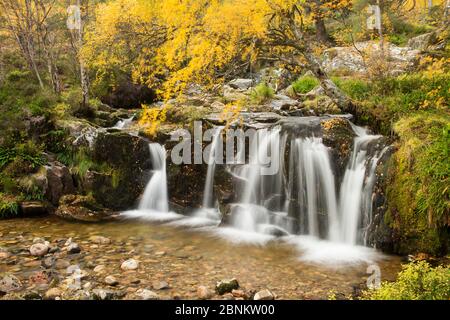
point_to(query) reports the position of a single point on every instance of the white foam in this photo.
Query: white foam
(152, 215)
(332, 254)
(238, 236)
(194, 222)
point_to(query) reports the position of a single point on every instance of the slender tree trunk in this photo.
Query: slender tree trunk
(321, 31)
(83, 71)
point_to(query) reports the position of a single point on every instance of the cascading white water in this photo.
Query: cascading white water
(208, 193)
(324, 207)
(315, 170)
(155, 194)
(352, 188)
(125, 123)
(261, 203)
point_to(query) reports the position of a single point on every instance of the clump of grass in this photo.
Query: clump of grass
(305, 84)
(262, 93)
(8, 206)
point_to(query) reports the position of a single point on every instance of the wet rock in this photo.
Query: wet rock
(40, 240)
(241, 84)
(39, 277)
(129, 158)
(264, 295)
(48, 262)
(4, 254)
(100, 240)
(225, 286)
(32, 295)
(33, 208)
(9, 283)
(99, 269)
(239, 294)
(81, 208)
(73, 248)
(39, 249)
(160, 285)
(274, 231)
(145, 294)
(53, 293)
(204, 293)
(62, 264)
(111, 281)
(129, 264)
(102, 294)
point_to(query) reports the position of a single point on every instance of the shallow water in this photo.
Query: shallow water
(187, 258)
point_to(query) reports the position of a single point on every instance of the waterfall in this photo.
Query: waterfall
(319, 185)
(261, 202)
(323, 207)
(208, 193)
(155, 194)
(125, 123)
(352, 188)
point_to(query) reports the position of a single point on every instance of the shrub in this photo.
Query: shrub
(417, 281)
(261, 93)
(305, 84)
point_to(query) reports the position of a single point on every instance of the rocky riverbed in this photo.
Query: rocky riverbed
(49, 258)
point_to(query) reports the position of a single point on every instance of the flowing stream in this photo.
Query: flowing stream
(289, 188)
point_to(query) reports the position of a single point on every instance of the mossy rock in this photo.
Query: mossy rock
(81, 208)
(128, 158)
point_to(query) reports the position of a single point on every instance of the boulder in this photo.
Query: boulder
(81, 208)
(82, 132)
(282, 102)
(423, 42)
(241, 84)
(128, 156)
(59, 182)
(347, 60)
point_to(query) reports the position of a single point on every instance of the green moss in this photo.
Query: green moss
(417, 281)
(305, 84)
(418, 192)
